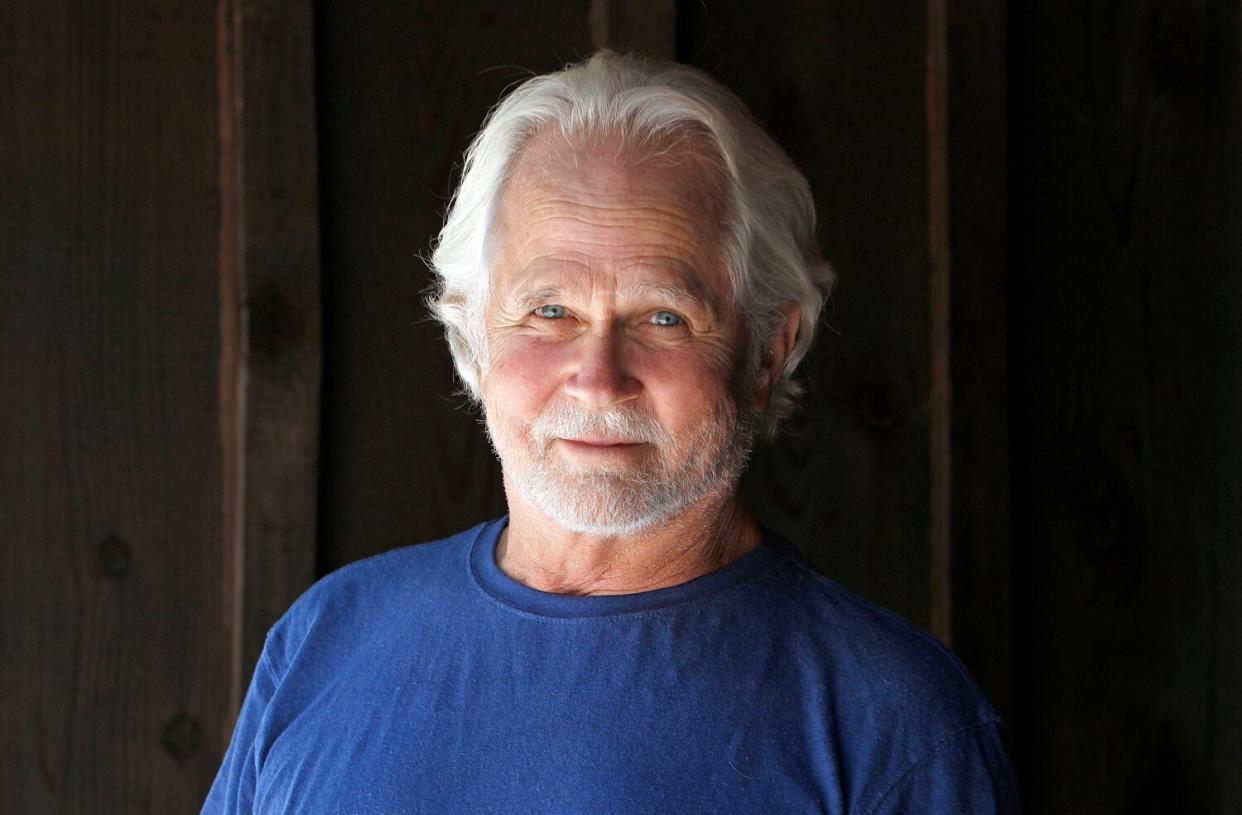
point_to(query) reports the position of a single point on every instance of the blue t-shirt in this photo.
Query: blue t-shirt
(426, 680)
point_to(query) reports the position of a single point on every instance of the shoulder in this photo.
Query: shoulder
(372, 593)
(912, 718)
(876, 658)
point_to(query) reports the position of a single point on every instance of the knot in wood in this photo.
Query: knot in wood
(114, 556)
(183, 736)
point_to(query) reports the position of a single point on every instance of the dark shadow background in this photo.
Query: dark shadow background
(218, 380)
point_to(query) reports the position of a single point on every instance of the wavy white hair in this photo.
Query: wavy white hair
(769, 242)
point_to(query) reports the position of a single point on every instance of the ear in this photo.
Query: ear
(779, 347)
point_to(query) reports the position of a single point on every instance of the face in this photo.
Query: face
(614, 350)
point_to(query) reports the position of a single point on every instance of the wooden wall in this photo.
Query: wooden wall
(218, 379)
(116, 648)
(1127, 251)
(159, 386)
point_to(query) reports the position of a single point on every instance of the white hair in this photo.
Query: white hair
(769, 242)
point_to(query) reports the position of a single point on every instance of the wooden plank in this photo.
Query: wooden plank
(278, 303)
(842, 88)
(979, 341)
(939, 400)
(1223, 520)
(1126, 133)
(402, 88)
(114, 651)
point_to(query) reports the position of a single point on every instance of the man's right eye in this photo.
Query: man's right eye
(550, 312)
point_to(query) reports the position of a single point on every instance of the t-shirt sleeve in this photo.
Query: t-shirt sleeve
(966, 773)
(233, 790)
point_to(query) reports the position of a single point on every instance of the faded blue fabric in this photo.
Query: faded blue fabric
(426, 680)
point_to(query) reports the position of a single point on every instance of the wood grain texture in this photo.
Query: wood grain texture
(114, 658)
(978, 229)
(939, 305)
(402, 87)
(1127, 141)
(842, 88)
(278, 301)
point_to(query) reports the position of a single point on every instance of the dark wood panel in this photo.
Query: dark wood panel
(939, 281)
(276, 296)
(402, 87)
(842, 88)
(1127, 140)
(114, 663)
(980, 532)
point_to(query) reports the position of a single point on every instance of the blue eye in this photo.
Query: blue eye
(550, 312)
(666, 319)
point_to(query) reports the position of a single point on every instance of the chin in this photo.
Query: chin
(607, 504)
(602, 503)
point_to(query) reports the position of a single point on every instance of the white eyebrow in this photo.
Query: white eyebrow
(527, 299)
(679, 296)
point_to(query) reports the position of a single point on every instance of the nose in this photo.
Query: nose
(600, 376)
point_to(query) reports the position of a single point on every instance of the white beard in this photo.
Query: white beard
(607, 500)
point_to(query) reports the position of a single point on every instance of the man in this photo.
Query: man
(628, 278)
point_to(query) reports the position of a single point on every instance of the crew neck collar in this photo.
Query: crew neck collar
(487, 575)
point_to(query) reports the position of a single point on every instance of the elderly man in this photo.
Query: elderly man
(628, 278)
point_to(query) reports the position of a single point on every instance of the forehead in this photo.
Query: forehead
(655, 209)
(686, 153)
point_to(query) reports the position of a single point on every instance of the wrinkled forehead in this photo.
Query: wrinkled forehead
(685, 146)
(673, 181)
(684, 154)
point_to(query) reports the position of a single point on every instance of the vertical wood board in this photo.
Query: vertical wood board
(114, 656)
(277, 301)
(1125, 255)
(979, 342)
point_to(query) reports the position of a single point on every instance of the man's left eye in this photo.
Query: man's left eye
(665, 318)
(550, 312)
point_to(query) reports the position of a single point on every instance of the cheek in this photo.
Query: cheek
(684, 388)
(521, 377)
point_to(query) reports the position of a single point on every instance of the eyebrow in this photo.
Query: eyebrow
(526, 299)
(680, 296)
(690, 295)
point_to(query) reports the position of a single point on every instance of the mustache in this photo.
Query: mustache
(626, 424)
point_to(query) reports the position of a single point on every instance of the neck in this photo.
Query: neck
(538, 553)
